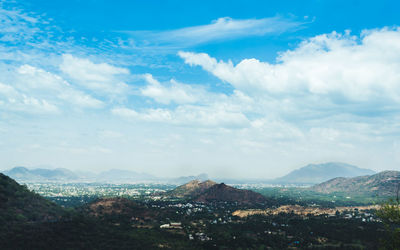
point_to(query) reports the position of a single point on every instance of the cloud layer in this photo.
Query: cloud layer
(333, 97)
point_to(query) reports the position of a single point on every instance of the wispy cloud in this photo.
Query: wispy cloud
(224, 28)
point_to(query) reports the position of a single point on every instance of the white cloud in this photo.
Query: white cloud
(80, 99)
(16, 25)
(98, 77)
(188, 115)
(34, 90)
(363, 69)
(31, 78)
(14, 100)
(150, 115)
(223, 28)
(175, 92)
(40, 82)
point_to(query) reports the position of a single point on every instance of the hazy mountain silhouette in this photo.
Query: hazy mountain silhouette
(40, 174)
(317, 173)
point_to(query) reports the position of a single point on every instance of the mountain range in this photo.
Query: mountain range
(23, 174)
(307, 175)
(40, 174)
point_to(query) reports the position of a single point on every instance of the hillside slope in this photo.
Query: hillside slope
(191, 189)
(18, 204)
(383, 184)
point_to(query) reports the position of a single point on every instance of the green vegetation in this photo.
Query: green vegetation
(18, 204)
(390, 215)
(305, 196)
(148, 222)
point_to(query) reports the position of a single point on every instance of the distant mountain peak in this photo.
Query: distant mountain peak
(317, 173)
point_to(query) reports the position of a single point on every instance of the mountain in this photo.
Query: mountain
(384, 183)
(209, 191)
(40, 174)
(18, 204)
(55, 174)
(191, 189)
(317, 173)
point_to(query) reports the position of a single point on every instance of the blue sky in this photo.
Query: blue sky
(230, 88)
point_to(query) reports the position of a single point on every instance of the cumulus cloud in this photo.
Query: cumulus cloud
(98, 77)
(40, 82)
(176, 92)
(342, 67)
(34, 90)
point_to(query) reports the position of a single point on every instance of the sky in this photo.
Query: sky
(239, 89)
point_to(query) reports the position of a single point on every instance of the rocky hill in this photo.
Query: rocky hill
(210, 191)
(225, 193)
(191, 189)
(317, 173)
(384, 183)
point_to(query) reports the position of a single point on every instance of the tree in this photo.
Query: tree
(390, 215)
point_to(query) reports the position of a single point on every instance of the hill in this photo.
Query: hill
(317, 173)
(224, 193)
(382, 184)
(209, 191)
(191, 189)
(18, 204)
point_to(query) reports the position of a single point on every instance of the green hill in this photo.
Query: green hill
(18, 204)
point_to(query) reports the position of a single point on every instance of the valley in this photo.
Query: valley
(195, 215)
